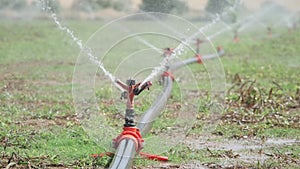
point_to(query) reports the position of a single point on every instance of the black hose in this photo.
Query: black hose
(150, 115)
(124, 155)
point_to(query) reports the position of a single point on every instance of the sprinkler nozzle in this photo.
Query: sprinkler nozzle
(138, 90)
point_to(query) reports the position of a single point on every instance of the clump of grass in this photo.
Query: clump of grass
(252, 110)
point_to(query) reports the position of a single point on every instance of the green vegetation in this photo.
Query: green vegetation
(39, 127)
(216, 6)
(92, 5)
(164, 6)
(13, 4)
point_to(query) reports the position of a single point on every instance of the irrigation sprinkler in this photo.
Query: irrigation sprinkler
(130, 135)
(130, 131)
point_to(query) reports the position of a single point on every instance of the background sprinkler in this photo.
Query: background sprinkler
(269, 32)
(236, 38)
(168, 52)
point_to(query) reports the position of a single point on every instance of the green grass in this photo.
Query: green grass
(39, 126)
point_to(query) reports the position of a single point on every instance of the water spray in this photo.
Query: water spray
(131, 136)
(78, 41)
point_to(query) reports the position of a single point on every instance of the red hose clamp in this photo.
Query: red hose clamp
(132, 133)
(199, 58)
(145, 155)
(168, 74)
(110, 154)
(154, 157)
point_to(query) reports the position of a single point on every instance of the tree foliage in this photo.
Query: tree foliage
(93, 5)
(164, 6)
(12, 4)
(216, 6)
(266, 5)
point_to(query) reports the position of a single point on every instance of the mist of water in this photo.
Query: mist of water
(243, 23)
(181, 48)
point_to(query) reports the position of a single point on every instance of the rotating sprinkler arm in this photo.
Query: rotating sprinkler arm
(137, 90)
(121, 84)
(129, 94)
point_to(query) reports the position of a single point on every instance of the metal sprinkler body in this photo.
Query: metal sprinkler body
(131, 89)
(130, 131)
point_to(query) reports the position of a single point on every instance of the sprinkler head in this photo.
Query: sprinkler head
(139, 89)
(168, 51)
